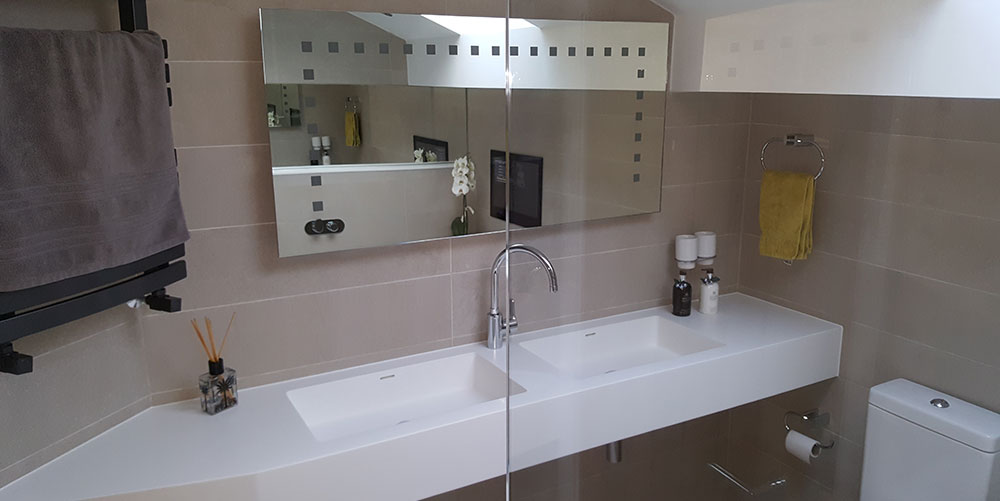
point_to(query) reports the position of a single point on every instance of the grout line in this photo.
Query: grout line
(901, 272)
(909, 205)
(963, 358)
(71, 435)
(597, 253)
(879, 133)
(703, 126)
(211, 146)
(305, 294)
(224, 61)
(696, 183)
(901, 204)
(85, 338)
(210, 228)
(451, 290)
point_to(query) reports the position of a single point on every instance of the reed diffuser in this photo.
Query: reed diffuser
(218, 385)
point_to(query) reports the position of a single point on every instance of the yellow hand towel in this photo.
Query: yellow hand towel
(786, 207)
(352, 128)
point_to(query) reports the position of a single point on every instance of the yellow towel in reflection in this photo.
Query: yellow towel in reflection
(352, 128)
(786, 207)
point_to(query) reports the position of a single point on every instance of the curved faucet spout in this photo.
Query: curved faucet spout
(497, 324)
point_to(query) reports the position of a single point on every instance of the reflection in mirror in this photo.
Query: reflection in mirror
(389, 128)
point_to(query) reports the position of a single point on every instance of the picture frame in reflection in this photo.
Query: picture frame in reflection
(525, 188)
(434, 150)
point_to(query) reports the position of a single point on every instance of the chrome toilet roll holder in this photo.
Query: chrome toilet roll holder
(814, 420)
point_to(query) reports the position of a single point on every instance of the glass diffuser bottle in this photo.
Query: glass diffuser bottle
(218, 388)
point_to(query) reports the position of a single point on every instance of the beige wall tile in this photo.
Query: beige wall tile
(718, 207)
(926, 242)
(64, 445)
(963, 119)
(204, 92)
(70, 388)
(226, 186)
(704, 153)
(231, 265)
(705, 108)
(278, 334)
(60, 14)
(899, 357)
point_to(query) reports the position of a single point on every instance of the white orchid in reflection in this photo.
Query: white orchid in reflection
(463, 176)
(418, 155)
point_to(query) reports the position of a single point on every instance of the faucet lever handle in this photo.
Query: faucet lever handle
(512, 323)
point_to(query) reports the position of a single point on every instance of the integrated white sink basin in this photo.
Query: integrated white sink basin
(622, 345)
(394, 397)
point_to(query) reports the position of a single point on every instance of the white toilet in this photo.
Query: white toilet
(924, 445)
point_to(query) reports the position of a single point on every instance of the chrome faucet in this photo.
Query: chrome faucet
(498, 324)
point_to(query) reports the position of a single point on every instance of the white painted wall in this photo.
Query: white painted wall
(943, 48)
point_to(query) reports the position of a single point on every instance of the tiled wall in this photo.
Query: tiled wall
(907, 235)
(317, 313)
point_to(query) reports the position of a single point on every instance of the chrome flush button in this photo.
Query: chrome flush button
(940, 403)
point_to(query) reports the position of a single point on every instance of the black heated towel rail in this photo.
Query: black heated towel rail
(28, 311)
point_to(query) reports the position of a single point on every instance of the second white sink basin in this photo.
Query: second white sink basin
(617, 346)
(390, 398)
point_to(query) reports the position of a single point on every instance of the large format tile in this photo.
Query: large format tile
(59, 15)
(942, 245)
(205, 92)
(962, 119)
(845, 290)
(889, 357)
(704, 153)
(226, 186)
(278, 334)
(953, 176)
(238, 264)
(704, 108)
(70, 388)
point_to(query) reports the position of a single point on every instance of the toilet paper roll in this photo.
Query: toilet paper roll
(316, 142)
(801, 446)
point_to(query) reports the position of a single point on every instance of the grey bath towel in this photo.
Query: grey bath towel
(87, 173)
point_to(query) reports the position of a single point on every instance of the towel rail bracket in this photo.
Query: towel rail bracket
(28, 311)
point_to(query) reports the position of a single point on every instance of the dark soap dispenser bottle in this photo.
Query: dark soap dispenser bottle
(682, 296)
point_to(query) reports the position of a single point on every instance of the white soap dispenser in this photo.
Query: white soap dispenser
(709, 304)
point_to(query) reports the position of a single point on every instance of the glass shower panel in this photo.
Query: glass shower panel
(586, 140)
(377, 123)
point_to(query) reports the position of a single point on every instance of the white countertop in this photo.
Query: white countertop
(264, 448)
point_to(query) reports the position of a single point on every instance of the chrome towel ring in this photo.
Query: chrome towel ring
(797, 140)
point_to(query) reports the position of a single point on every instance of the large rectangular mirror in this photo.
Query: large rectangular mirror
(369, 112)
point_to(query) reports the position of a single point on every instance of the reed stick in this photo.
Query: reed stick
(194, 323)
(211, 338)
(224, 338)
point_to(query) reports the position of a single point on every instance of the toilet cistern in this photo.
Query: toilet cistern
(498, 324)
